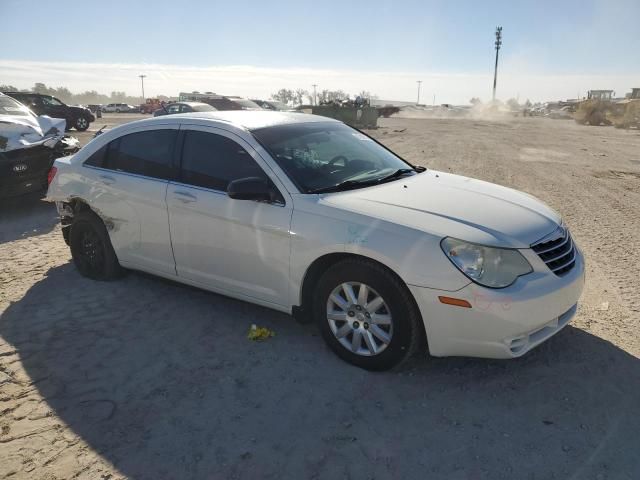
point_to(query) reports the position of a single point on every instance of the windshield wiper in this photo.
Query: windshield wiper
(349, 184)
(396, 174)
(346, 185)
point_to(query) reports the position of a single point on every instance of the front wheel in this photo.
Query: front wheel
(91, 248)
(366, 315)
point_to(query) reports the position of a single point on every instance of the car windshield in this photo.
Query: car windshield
(8, 106)
(327, 156)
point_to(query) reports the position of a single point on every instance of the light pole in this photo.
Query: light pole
(495, 71)
(142, 80)
(419, 82)
(315, 102)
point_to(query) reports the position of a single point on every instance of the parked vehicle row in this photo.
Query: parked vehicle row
(308, 216)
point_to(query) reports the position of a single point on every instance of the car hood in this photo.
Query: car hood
(25, 131)
(450, 205)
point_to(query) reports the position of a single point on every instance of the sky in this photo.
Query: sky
(551, 49)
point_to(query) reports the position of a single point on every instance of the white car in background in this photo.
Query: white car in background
(308, 216)
(119, 108)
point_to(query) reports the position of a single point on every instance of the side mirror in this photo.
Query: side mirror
(250, 188)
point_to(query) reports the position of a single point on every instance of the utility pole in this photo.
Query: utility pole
(495, 71)
(315, 101)
(142, 80)
(419, 82)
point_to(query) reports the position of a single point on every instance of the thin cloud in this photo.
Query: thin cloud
(514, 80)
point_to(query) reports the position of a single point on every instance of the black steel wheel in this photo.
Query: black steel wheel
(91, 248)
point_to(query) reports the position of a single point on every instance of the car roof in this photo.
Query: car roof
(249, 119)
(191, 104)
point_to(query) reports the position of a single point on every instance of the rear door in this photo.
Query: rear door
(235, 246)
(130, 177)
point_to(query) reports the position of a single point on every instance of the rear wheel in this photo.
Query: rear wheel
(366, 315)
(81, 124)
(91, 248)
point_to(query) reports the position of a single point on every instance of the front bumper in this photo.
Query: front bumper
(501, 323)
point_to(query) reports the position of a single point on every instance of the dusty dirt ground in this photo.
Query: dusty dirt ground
(147, 379)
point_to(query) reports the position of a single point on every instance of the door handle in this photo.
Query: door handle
(185, 197)
(107, 180)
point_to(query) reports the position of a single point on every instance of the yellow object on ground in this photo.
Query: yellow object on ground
(257, 334)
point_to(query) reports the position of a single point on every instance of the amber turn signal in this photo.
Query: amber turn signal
(458, 302)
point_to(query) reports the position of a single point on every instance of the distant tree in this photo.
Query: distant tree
(310, 98)
(41, 88)
(475, 101)
(336, 96)
(299, 95)
(528, 103)
(118, 97)
(84, 98)
(513, 104)
(283, 95)
(62, 93)
(322, 96)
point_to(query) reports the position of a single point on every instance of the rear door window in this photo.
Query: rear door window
(212, 161)
(148, 153)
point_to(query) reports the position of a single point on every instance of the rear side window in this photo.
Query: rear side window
(97, 158)
(146, 153)
(212, 161)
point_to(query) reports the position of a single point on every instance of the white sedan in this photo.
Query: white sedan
(308, 216)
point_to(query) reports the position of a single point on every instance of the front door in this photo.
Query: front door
(238, 247)
(56, 109)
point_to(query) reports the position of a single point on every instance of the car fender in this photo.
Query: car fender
(318, 230)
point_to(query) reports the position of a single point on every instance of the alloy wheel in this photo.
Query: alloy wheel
(359, 318)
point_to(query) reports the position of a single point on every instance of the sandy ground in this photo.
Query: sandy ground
(147, 379)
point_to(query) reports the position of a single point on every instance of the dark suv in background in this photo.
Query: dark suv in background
(76, 117)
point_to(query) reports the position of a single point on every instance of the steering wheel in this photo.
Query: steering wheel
(337, 158)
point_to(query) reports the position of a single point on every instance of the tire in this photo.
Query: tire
(404, 332)
(117, 110)
(81, 124)
(595, 119)
(65, 235)
(91, 248)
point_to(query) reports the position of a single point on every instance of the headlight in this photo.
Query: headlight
(488, 266)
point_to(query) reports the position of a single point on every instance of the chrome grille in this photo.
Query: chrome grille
(557, 251)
